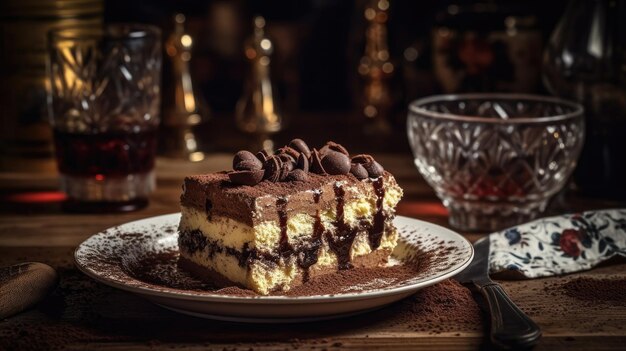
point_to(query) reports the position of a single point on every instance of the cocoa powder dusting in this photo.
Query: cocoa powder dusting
(354, 280)
(75, 295)
(164, 270)
(82, 312)
(444, 307)
(597, 290)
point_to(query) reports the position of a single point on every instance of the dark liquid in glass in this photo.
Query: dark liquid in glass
(109, 154)
(103, 156)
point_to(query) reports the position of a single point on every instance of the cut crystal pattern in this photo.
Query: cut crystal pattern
(508, 164)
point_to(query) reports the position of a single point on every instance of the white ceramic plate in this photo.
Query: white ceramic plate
(115, 256)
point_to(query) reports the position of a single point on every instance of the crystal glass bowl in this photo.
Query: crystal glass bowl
(495, 159)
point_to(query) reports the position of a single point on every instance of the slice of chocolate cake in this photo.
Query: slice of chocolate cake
(275, 222)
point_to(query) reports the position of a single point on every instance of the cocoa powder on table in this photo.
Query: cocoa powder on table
(444, 307)
(597, 289)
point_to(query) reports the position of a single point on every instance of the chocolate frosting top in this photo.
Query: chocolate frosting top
(217, 195)
(305, 178)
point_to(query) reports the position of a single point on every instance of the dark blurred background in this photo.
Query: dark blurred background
(434, 46)
(341, 69)
(319, 43)
(338, 70)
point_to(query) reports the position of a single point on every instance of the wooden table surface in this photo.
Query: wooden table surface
(83, 314)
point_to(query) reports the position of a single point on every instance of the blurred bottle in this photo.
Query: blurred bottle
(376, 94)
(487, 46)
(25, 135)
(258, 111)
(585, 61)
(184, 108)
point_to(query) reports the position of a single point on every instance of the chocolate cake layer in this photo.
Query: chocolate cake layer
(305, 253)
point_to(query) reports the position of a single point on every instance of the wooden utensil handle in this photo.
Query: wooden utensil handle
(510, 327)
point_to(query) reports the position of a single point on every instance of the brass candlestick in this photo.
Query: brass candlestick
(258, 111)
(376, 69)
(187, 109)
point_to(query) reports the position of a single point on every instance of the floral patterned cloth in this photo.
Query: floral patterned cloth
(559, 245)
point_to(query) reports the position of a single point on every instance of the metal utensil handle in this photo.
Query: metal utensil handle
(510, 327)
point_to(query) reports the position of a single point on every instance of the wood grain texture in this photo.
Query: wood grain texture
(82, 314)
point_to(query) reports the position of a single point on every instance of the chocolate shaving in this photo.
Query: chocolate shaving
(333, 146)
(373, 168)
(331, 159)
(262, 156)
(289, 151)
(300, 146)
(362, 159)
(316, 163)
(285, 168)
(252, 177)
(303, 163)
(286, 158)
(272, 166)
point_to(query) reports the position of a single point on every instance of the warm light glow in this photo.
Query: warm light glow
(370, 111)
(387, 67)
(188, 97)
(267, 104)
(268, 144)
(411, 54)
(250, 53)
(36, 197)
(259, 22)
(383, 55)
(186, 40)
(417, 208)
(190, 142)
(266, 44)
(71, 80)
(196, 156)
(363, 69)
(194, 119)
(443, 32)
